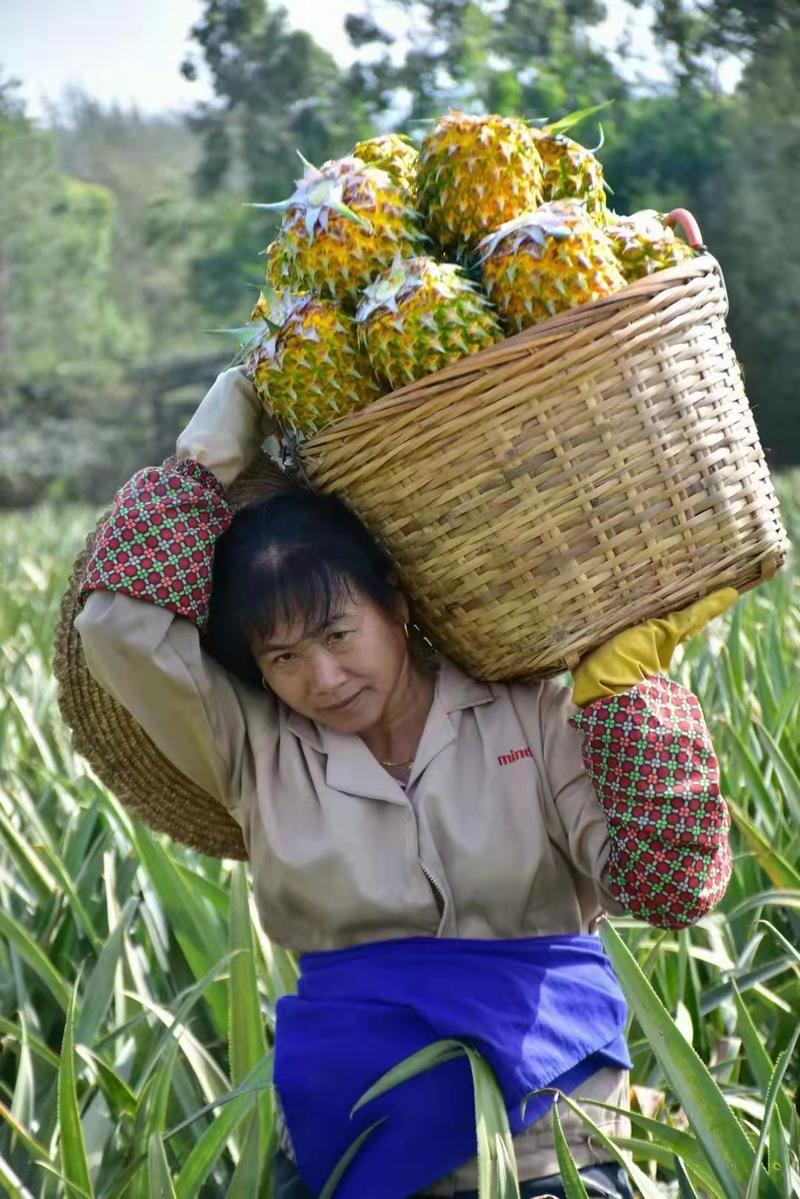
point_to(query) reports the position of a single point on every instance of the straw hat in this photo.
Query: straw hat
(116, 746)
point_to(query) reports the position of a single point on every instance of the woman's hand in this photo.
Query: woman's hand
(228, 428)
(644, 650)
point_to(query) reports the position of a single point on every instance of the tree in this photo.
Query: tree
(700, 30)
(668, 151)
(98, 233)
(524, 57)
(146, 164)
(278, 91)
(752, 228)
(56, 320)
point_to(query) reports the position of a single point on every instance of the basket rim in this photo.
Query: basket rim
(704, 264)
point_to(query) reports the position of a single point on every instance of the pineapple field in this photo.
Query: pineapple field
(137, 991)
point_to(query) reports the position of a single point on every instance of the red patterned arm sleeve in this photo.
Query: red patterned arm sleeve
(158, 543)
(648, 754)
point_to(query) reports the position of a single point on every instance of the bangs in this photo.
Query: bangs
(292, 561)
(291, 589)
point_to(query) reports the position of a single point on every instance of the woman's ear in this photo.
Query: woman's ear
(401, 603)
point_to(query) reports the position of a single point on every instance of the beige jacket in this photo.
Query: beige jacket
(498, 833)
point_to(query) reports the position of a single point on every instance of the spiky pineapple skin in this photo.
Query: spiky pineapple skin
(644, 245)
(312, 370)
(546, 262)
(395, 154)
(338, 256)
(475, 173)
(434, 316)
(570, 171)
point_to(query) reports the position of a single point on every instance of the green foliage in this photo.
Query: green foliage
(496, 1165)
(133, 1049)
(160, 227)
(667, 152)
(755, 207)
(97, 238)
(696, 32)
(55, 269)
(525, 57)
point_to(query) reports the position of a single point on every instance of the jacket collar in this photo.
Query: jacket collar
(458, 690)
(350, 767)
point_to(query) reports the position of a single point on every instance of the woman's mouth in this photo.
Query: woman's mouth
(346, 704)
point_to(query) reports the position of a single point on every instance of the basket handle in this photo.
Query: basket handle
(682, 217)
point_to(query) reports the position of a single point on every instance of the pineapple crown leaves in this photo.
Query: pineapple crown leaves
(602, 141)
(572, 118)
(404, 277)
(300, 321)
(645, 225)
(321, 191)
(559, 219)
(272, 307)
(580, 151)
(246, 337)
(263, 324)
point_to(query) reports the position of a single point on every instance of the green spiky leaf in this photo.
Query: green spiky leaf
(572, 118)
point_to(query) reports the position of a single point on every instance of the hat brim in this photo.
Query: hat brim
(116, 746)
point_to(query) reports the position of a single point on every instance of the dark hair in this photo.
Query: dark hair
(292, 557)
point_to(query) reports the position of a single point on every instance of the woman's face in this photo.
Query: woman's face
(344, 676)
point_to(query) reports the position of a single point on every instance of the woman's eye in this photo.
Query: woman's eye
(283, 660)
(338, 635)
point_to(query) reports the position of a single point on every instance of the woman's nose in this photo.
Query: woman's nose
(326, 673)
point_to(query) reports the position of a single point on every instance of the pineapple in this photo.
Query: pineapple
(546, 261)
(344, 224)
(418, 316)
(310, 370)
(394, 154)
(474, 173)
(643, 244)
(570, 171)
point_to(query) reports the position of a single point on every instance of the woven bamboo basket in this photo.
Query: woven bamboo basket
(594, 471)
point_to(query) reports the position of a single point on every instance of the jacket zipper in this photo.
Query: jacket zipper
(437, 886)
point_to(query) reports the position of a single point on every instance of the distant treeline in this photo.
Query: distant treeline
(124, 240)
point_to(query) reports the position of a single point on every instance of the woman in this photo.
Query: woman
(438, 849)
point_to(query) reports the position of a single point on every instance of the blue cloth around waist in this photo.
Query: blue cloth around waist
(543, 1011)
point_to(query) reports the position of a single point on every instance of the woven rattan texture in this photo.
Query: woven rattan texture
(116, 746)
(597, 470)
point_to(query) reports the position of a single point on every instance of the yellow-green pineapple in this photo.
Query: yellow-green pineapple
(342, 226)
(475, 173)
(393, 153)
(418, 316)
(310, 369)
(643, 244)
(547, 261)
(571, 172)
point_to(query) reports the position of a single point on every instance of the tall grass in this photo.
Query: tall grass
(137, 991)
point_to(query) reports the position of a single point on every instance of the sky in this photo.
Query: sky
(116, 50)
(127, 52)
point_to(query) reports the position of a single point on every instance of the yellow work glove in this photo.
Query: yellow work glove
(644, 650)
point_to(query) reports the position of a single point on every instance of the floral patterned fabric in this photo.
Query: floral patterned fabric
(653, 768)
(158, 542)
(647, 750)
